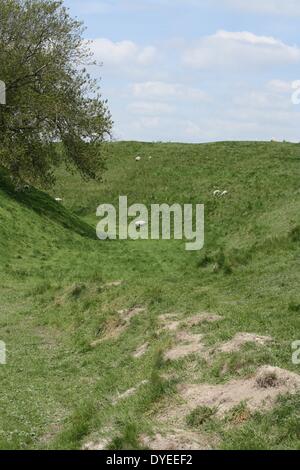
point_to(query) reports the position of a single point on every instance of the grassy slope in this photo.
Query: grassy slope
(55, 389)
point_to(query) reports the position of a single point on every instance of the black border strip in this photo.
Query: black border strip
(147, 459)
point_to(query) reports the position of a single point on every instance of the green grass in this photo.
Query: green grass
(56, 390)
(283, 421)
(199, 416)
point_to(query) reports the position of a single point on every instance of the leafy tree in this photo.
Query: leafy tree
(54, 111)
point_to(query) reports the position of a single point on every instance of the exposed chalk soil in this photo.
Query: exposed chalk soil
(186, 344)
(141, 350)
(101, 444)
(128, 393)
(178, 439)
(201, 318)
(240, 339)
(259, 391)
(114, 284)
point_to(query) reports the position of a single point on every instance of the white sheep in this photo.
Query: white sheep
(224, 193)
(58, 199)
(217, 192)
(138, 159)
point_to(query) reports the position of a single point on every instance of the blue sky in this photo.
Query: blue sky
(197, 70)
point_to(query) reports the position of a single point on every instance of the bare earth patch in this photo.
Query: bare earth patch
(114, 284)
(112, 331)
(168, 316)
(172, 325)
(99, 445)
(169, 321)
(200, 318)
(191, 343)
(259, 392)
(128, 314)
(187, 344)
(178, 439)
(140, 351)
(99, 441)
(236, 343)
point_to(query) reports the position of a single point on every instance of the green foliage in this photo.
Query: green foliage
(199, 416)
(127, 439)
(275, 430)
(50, 97)
(78, 426)
(295, 234)
(294, 306)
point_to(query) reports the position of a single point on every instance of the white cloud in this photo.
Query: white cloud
(92, 6)
(150, 107)
(218, 128)
(245, 112)
(240, 49)
(261, 100)
(246, 37)
(159, 89)
(274, 97)
(278, 7)
(122, 53)
(280, 86)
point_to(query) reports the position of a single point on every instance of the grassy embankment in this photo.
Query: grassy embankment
(56, 388)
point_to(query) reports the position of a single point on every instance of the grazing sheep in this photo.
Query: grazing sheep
(224, 193)
(58, 199)
(140, 223)
(138, 159)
